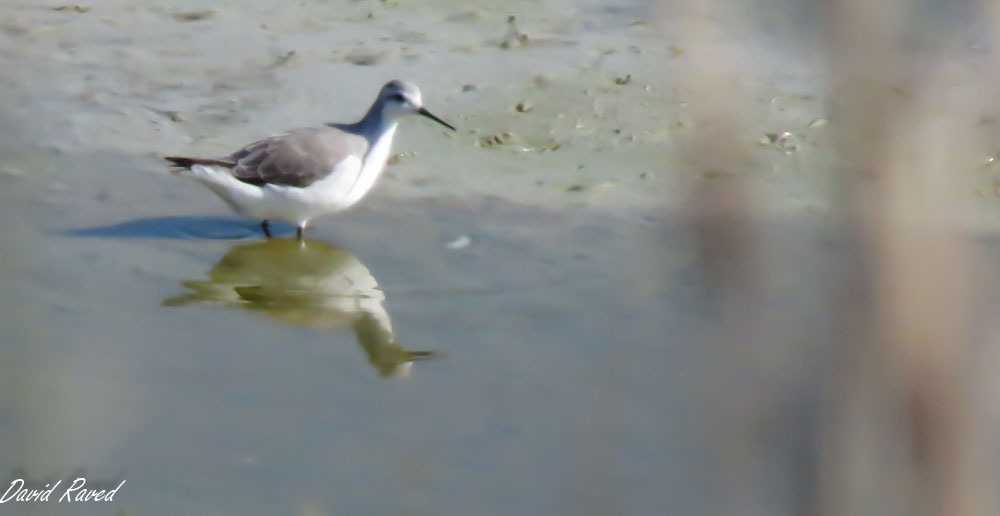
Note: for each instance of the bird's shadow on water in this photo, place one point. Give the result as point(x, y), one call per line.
point(183, 227)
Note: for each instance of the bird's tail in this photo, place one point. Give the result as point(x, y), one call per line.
point(216, 174)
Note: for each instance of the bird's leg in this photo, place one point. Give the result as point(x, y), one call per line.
point(298, 231)
point(267, 230)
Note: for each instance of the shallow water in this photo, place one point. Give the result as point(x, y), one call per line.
point(547, 284)
point(198, 368)
point(242, 375)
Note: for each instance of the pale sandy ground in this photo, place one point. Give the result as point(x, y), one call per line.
point(128, 77)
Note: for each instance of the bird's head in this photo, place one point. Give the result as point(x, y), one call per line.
point(399, 98)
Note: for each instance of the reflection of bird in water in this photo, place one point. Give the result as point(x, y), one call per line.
point(310, 283)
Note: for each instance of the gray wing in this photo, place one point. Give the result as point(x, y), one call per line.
point(297, 158)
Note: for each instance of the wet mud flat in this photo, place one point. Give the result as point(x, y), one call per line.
point(557, 103)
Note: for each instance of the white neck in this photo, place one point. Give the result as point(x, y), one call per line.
point(373, 163)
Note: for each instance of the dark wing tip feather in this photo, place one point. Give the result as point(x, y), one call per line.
point(179, 161)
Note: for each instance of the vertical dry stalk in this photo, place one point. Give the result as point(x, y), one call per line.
point(721, 217)
point(900, 439)
point(900, 436)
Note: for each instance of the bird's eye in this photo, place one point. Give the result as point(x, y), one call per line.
point(398, 97)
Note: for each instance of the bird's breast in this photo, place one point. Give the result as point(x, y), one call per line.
point(372, 166)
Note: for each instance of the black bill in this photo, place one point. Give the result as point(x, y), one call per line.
point(428, 114)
